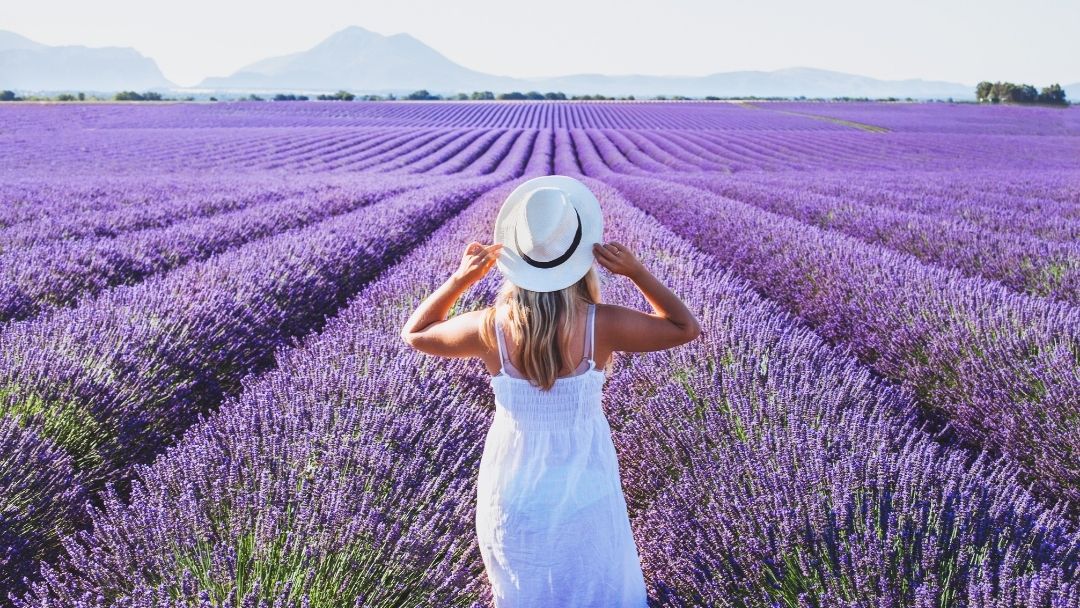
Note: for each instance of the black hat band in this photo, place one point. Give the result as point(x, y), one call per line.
point(559, 260)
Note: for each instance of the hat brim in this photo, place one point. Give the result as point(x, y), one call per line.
point(521, 273)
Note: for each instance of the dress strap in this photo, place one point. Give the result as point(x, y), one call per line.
point(589, 331)
point(502, 344)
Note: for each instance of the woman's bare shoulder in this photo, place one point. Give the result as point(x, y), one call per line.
point(626, 329)
point(614, 311)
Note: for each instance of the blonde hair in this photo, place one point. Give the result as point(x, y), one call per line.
point(533, 322)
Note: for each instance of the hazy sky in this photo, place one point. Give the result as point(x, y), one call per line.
point(1033, 41)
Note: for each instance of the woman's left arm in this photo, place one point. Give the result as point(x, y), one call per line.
point(429, 331)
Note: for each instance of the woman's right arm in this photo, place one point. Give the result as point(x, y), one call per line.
point(671, 323)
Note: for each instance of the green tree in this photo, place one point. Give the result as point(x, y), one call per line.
point(1022, 93)
point(422, 95)
point(1001, 91)
point(1019, 93)
point(1053, 94)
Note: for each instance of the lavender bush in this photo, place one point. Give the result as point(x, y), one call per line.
point(114, 380)
point(204, 400)
point(1002, 368)
point(359, 488)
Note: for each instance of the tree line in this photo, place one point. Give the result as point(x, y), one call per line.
point(424, 95)
point(993, 92)
point(341, 95)
point(998, 92)
point(8, 95)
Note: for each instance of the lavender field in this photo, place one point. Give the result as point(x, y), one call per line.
point(204, 399)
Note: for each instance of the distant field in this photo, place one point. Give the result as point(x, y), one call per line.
point(199, 320)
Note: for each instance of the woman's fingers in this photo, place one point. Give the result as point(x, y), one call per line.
point(488, 255)
point(606, 258)
point(475, 248)
point(609, 253)
point(488, 250)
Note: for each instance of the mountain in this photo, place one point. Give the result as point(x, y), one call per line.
point(358, 59)
point(26, 65)
point(10, 41)
point(790, 82)
point(1072, 91)
point(363, 61)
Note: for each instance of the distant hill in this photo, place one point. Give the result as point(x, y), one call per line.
point(1072, 91)
point(358, 59)
point(12, 41)
point(363, 61)
point(26, 65)
point(790, 82)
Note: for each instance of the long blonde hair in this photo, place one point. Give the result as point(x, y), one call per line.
point(533, 322)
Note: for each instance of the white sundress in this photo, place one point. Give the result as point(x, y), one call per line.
point(551, 518)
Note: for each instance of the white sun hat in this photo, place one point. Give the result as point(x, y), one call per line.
point(547, 227)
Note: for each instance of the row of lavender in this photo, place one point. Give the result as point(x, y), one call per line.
point(54, 260)
point(762, 467)
point(333, 137)
point(934, 118)
point(1000, 368)
point(38, 496)
point(502, 114)
point(228, 151)
point(86, 393)
point(60, 270)
point(1024, 262)
point(1042, 186)
point(767, 468)
point(903, 117)
point(112, 380)
point(44, 208)
point(231, 151)
point(1042, 204)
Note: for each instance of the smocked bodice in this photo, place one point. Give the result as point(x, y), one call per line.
point(571, 400)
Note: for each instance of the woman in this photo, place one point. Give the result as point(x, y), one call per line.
point(551, 517)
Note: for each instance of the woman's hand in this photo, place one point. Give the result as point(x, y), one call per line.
point(476, 262)
point(618, 259)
